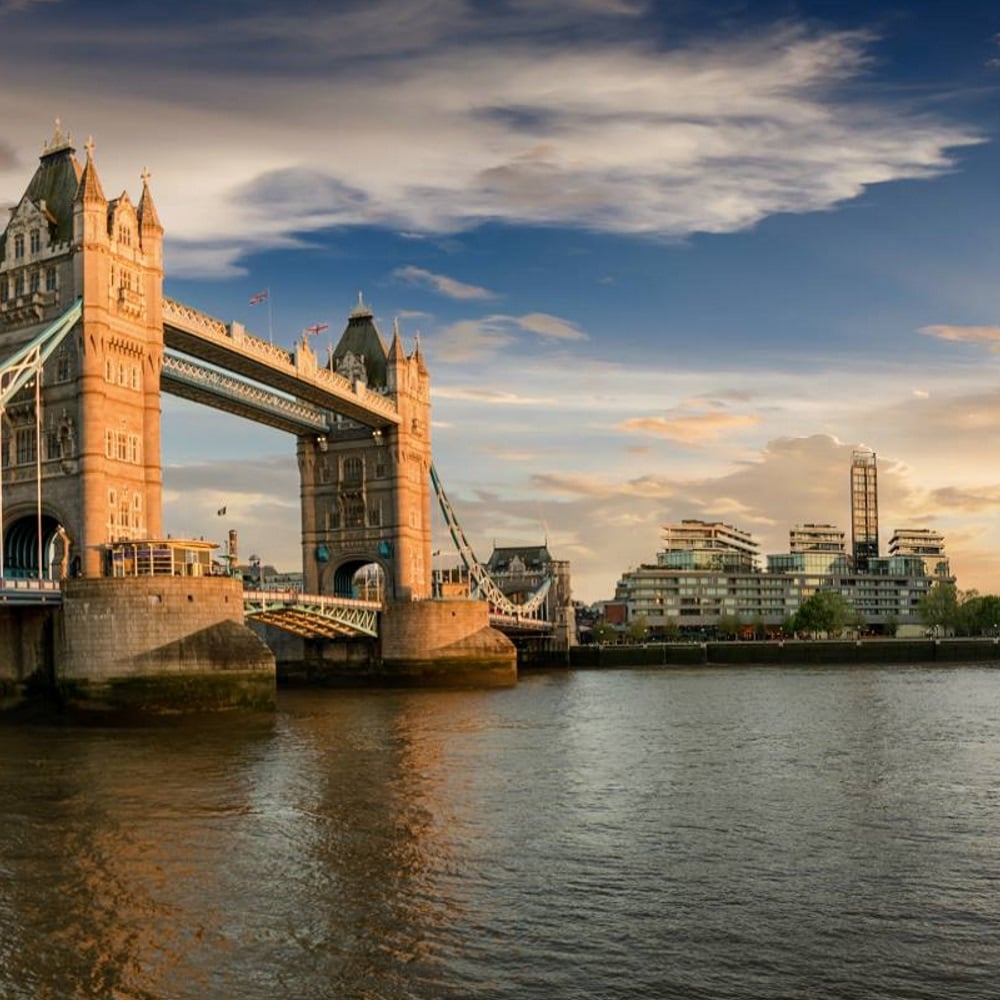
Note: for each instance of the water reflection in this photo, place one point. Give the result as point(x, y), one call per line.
point(724, 833)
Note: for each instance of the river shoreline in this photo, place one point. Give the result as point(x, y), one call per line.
point(789, 652)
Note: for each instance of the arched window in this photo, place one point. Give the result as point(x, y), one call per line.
point(354, 514)
point(353, 470)
point(19, 246)
point(36, 241)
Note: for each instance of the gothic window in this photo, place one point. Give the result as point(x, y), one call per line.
point(4, 289)
point(333, 516)
point(19, 286)
point(18, 246)
point(353, 470)
point(375, 515)
point(121, 447)
point(34, 281)
point(53, 445)
point(354, 513)
point(50, 279)
point(63, 366)
point(109, 371)
point(26, 445)
point(36, 241)
point(135, 377)
point(133, 448)
point(109, 444)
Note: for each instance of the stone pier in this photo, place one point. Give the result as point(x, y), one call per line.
point(159, 644)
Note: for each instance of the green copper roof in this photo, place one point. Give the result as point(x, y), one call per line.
point(54, 183)
point(361, 338)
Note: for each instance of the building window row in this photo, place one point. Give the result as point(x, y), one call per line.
point(32, 281)
point(124, 373)
point(121, 446)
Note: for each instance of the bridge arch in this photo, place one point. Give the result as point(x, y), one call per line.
point(21, 548)
point(360, 576)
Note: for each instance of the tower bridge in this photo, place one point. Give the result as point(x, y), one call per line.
point(88, 342)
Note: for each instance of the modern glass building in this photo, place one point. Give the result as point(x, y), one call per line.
point(864, 508)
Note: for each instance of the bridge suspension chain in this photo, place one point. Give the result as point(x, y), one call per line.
point(483, 584)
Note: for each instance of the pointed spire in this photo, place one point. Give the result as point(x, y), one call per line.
point(60, 140)
point(418, 355)
point(89, 189)
point(361, 309)
point(396, 352)
point(149, 221)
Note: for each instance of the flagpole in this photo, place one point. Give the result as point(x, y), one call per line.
point(270, 330)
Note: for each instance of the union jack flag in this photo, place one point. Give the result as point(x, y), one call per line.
point(317, 328)
point(255, 300)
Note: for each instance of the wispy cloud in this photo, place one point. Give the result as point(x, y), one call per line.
point(476, 339)
point(441, 283)
point(988, 335)
point(691, 430)
point(608, 133)
point(544, 325)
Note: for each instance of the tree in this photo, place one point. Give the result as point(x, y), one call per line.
point(601, 631)
point(729, 626)
point(638, 629)
point(825, 611)
point(938, 608)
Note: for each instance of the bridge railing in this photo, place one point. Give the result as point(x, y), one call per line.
point(299, 364)
point(22, 590)
point(313, 600)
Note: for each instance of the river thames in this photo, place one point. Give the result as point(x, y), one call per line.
point(691, 833)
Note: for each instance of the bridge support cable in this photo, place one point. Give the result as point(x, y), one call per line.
point(483, 584)
point(22, 369)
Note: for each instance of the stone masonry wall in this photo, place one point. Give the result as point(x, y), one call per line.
point(116, 627)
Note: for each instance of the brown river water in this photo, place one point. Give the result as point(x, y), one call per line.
point(696, 833)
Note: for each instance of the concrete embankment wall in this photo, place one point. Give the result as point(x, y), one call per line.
point(789, 653)
point(162, 643)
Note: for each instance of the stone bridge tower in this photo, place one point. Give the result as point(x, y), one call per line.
point(366, 490)
point(99, 447)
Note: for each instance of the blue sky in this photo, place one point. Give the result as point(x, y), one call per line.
point(666, 260)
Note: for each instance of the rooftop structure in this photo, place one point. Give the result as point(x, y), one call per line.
point(921, 543)
point(708, 545)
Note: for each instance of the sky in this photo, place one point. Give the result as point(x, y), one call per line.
point(665, 259)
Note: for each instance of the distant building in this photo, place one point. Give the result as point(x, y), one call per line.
point(813, 548)
point(921, 543)
point(709, 545)
point(887, 594)
point(521, 570)
point(864, 508)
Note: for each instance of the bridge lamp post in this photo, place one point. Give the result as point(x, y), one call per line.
point(255, 566)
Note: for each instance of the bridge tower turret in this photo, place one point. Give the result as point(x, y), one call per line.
point(365, 490)
point(100, 443)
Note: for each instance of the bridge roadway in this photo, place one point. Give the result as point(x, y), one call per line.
point(228, 346)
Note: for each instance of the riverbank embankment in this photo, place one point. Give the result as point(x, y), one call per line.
point(787, 653)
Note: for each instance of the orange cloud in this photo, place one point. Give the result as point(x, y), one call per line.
point(989, 335)
point(691, 430)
